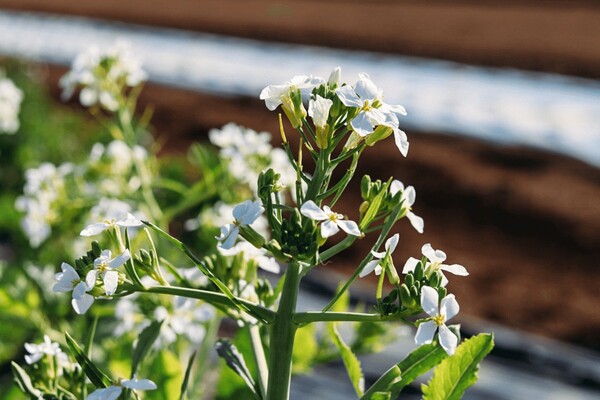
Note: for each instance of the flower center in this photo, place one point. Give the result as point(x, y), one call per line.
point(102, 267)
point(439, 319)
point(334, 217)
point(367, 105)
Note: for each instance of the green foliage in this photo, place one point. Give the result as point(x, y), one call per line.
point(350, 361)
point(145, 341)
point(168, 378)
point(97, 377)
point(457, 373)
point(304, 355)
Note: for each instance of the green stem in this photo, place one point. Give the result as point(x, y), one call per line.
point(281, 337)
point(213, 298)
point(260, 359)
point(382, 236)
point(318, 316)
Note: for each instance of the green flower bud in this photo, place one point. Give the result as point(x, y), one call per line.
point(380, 133)
point(405, 296)
point(255, 238)
point(353, 140)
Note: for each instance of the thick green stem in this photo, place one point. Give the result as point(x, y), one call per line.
point(282, 335)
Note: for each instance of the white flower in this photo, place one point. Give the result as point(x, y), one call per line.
point(335, 78)
point(373, 111)
point(251, 253)
point(113, 392)
point(69, 280)
point(408, 198)
point(187, 318)
point(318, 109)
point(103, 75)
point(375, 265)
point(440, 312)
point(244, 214)
point(274, 95)
point(107, 268)
point(37, 351)
point(333, 221)
point(128, 220)
point(10, 103)
point(435, 257)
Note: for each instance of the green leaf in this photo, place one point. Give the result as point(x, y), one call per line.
point(235, 361)
point(144, 343)
point(167, 374)
point(381, 396)
point(303, 357)
point(23, 380)
point(457, 373)
point(97, 377)
point(350, 361)
point(186, 378)
point(418, 362)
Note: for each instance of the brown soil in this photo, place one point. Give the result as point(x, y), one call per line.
point(546, 35)
point(525, 223)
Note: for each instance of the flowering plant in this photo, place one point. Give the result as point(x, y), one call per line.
point(285, 223)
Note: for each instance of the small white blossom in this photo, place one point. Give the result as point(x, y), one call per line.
point(127, 221)
point(113, 392)
point(244, 214)
point(107, 269)
point(318, 109)
point(37, 351)
point(69, 280)
point(375, 265)
point(102, 76)
point(408, 198)
point(333, 221)
point(440, 312)
point(10, 104)
point(274, 95)
point(251, 253)
point(372, 110)
point(187, 318)
point(435, 257)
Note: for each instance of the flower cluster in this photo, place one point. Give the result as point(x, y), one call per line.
point(248, 153)
point(48, 348)
point(103, 75)
point(368, 116)
point(10, 104)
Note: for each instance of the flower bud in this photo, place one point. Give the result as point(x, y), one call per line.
point(380, 133)
point(353, 140)
point(255, 238)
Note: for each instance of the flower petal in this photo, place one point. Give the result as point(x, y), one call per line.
point(94, 229)
point(391, 243)
point(431, 254)
point(429, 300)
point(370, 267)
point(350, 227)
point(129, 221)
point(139, 384)
point(410, 265)
point(82, 304)
point(311, 210)
point(448, 340)
point(416, 221)
point(396, 186)
point(401, 141)
point(455, 269)
point(425, 332)
point(109, 393)
point(362, 124)
point(119, 260)
point(449, 307)
point(229, 234)
point(111, 281)
point(348, 96)
point(329, 228)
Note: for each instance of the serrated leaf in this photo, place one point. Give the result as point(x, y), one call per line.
point(350, 361)
point(235, 361)
point(97, 377)
point(418, 362)
point(457, 373)
point(144, 343)
point(23, 380)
